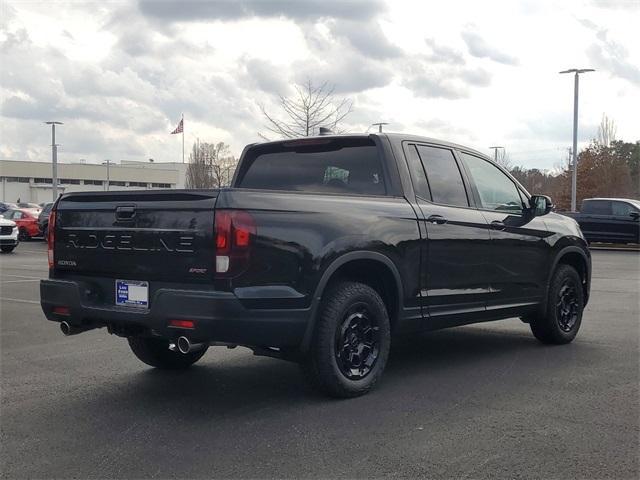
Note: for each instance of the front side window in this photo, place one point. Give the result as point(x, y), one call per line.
point(443, 176)
point(622, 209)
point(496, 190)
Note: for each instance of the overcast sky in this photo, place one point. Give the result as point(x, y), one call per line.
point(119, 74)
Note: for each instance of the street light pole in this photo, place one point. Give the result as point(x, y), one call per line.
point(379, 125)
point(574, 173)
point(495, 153)
point(54, 159)
point(107, 163)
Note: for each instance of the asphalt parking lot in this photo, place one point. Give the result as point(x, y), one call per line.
point(472, 402)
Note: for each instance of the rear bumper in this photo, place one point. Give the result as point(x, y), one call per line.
point(219, 316)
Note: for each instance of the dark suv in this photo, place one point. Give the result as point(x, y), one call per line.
point(43, 218)
point(321, 252)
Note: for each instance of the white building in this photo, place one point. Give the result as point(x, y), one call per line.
point(31, 181)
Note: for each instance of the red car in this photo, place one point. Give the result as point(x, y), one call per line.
point(27, 221)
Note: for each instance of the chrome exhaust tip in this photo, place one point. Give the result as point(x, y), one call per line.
point(65, 328)
point(185, 346)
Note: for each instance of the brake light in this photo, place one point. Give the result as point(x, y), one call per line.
point(234, 232)
point(51, 236)
point(62, 311)
point(182, 324)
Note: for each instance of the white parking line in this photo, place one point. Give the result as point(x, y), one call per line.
point(20, 281)
point(19, 276)
point(19, 300)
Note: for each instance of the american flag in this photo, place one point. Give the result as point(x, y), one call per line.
point(179, 128)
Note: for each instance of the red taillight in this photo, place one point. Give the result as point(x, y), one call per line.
point(61, 311)
point(234, 230)
point(182, 323)
point(51, 236)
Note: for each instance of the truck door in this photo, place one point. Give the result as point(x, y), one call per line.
point(454, 268)
point(595, 221)
point(625, 221)
point(518, 254)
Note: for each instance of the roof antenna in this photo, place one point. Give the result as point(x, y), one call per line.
point(379, 124)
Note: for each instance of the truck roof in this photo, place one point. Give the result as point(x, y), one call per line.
point(400, 137)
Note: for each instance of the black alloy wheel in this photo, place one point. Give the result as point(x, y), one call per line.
point(567, 307)
point(357, 342)
point(351, 342)
point(561, 319)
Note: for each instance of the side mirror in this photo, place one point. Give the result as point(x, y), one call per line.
point(541, 205)
point(634, 215)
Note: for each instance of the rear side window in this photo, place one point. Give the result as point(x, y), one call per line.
point(349, 166)
point(443, 176)
point(597, 207)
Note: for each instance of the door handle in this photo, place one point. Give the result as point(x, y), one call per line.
point(498, 225)
point(437, 220)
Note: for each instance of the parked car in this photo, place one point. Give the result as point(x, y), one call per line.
point(28, 205)
point(4, 206)
point(27, 221)
point(613, 220)
point(8, 235)
point(323, 249)
point(43, 218)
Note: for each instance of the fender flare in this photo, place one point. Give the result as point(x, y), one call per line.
point(556, 260)
point(326, 276)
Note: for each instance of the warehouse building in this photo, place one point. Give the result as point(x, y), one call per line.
point(32, 181)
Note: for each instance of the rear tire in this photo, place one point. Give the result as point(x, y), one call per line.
point(155, 352)
point(351, 341)
point(565, 304)
point(7, 248)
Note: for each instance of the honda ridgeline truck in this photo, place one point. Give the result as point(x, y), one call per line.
point(323, 251)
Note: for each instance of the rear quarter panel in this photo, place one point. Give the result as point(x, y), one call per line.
point(299, 235)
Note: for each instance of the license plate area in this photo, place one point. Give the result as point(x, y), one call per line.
point(132, 293)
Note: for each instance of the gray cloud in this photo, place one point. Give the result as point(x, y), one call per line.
point(367, 38)
point(347, 72)
point(431, 80)
point(198, 10)
point(609, 55)
point(478, 47)
point(477, 77)
point(266, 76)
point(442, 53)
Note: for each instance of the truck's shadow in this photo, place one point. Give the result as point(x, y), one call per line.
point(251, 383)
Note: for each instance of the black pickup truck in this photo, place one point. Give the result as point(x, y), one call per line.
point(321, 252)
point(611, 220)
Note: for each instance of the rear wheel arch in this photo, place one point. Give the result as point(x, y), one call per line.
point(370, 268)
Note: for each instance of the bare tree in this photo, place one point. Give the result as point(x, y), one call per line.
point(606, 131)
point(309, 109)
point(210, 165)
point(503, 159)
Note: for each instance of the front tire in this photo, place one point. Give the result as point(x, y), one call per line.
point(155, 352)
point(565, 304)
point(351, 341)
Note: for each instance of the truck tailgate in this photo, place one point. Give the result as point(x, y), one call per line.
point(145, 235)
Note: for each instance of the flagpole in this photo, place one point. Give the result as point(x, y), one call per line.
point(183, 138)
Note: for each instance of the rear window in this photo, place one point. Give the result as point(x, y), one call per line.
point(348, 166)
